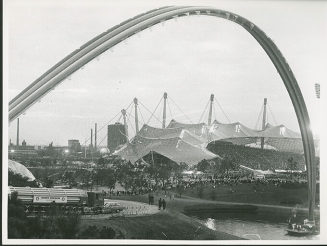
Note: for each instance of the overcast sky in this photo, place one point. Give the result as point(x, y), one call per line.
point(189, 58)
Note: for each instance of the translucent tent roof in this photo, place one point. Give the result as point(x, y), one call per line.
point(219, 131)
point(182, 142)
point(18, 168)
point(279, 131)
point(165, 133)
point(279, 137)
point(178, 149)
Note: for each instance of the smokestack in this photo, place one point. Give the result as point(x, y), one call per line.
point(164, 111)
point(95, 136)
point(91, 137)
point(17, 140)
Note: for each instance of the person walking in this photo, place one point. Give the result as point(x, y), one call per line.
point(160, 203)
point(163, 204)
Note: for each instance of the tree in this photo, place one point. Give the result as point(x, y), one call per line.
point(48, 182)
point(227, 164)
point(15, 179)
point(203, 166)
point(125, 174)
point(161, 168)
point(107, 177)
point(56, 225)
point(291, 165)
point(69, 178)
point(101, 161)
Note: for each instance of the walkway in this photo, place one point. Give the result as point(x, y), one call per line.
point(131, 209)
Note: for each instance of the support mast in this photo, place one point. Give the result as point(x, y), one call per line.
point(264, 123)
point(210, 110)
point(136, 116)
point(164, 111)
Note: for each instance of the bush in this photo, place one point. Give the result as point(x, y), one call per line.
point(56, 225)
point(93, 232)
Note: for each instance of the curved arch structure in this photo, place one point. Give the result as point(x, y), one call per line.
point(115, 35)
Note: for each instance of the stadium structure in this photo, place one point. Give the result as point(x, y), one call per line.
point(192, 143)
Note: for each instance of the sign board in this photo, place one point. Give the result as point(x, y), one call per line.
point(50, 199)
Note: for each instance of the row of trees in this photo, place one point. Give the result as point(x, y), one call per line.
point(131, 176)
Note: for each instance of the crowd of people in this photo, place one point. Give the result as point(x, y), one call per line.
point(256, 158)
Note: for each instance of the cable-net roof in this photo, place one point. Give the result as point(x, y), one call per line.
point(187, 143)
point(179, 145)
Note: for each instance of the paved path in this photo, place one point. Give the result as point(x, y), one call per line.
point(136, 208)
point(131, 209)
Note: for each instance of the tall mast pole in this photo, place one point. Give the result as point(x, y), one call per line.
point(123, 111)
point(164, 111)
point(264, 123)
point(210, 110)
point(136, 116)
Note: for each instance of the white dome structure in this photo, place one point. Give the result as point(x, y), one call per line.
point(18, 168)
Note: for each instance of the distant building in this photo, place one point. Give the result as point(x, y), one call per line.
point(22, 150)
point(55, 151)
point(74, 146)
point(116, 136)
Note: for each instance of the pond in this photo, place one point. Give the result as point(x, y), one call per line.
point(253, 226)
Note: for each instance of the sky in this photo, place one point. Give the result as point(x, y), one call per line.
point(189, 58)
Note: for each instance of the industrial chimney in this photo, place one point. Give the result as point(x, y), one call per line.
point(95, 137)
point(91, 138)
point(17, 140)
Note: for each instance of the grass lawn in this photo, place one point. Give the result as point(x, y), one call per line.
point(165, 225)
point(252, 193)
point(172, 224)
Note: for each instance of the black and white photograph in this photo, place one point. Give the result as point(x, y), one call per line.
point(164, 122)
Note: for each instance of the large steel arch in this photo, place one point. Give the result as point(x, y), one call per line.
point(115, 35)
